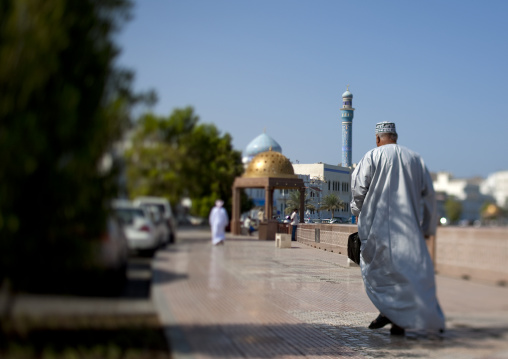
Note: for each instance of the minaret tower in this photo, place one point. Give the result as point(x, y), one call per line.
point(347, 112)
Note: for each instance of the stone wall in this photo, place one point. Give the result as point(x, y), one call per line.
point(479, 254)
point(473, 253)
point(329, 237)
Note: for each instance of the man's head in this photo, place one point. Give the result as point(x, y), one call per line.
point(385, 133)
point(295, 210)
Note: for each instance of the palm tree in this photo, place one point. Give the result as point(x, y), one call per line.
point(331, 202)
point(294, 202)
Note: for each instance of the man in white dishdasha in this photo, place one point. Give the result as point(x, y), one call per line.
point(395, 201)
point(218, 220)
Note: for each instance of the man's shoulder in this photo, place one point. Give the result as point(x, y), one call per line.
point(393, 149)
point(387, 151)
point(409, 152)
point(368, 155)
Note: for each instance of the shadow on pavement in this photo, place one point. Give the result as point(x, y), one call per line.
point(162, 276)
point(135, 283)
point(128, 336)
point(316, 340)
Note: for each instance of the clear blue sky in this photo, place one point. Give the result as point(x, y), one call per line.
point(438, 69)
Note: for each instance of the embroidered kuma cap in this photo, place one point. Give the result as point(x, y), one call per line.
point(385, 127)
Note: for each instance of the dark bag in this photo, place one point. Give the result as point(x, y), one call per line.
point(353, 247)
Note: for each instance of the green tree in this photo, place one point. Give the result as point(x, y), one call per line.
point(176, 156)
point(453, 209)
point(63, 104)
point(293, 202)
point(331, 202)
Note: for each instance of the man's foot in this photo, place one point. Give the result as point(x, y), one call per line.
point(396, 330)
point(379, 322)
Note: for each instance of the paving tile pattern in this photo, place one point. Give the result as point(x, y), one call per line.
point(249, 299)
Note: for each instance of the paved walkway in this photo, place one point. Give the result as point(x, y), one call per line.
point(248, 299)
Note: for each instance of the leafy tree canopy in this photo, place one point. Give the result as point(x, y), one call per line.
point(453, 209)
point(176, 156)
point(63, 104)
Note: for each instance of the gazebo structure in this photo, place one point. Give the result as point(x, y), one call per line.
point(269, 170)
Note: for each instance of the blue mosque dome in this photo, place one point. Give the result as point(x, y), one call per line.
point(347, 94)
point(261, 143)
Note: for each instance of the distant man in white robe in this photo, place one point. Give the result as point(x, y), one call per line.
point(395, 201)
point(218, 221)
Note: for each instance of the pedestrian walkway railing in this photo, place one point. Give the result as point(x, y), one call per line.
point(329, 237)
point(479, 254)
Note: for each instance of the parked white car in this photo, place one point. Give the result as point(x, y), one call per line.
point(159, 222)
point(165, 208)
point(139, 227)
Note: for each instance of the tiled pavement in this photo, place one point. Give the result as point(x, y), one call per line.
point(248, 299)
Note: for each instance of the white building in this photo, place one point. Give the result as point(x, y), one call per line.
point(496, 186)
point(322, 179)
point(444, 182)
point(314, 189)
point(467, 191)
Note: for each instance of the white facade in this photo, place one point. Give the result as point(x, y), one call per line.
point(496, 186)
point(314, 188)
point(455, 187)
point(322, 179)
point(467, 191)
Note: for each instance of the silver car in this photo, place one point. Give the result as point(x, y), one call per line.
point(139, 227)
point(165, 208)
point(159, 222)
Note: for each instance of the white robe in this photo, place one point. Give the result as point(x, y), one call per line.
point(392, 189)
point(218, 221)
